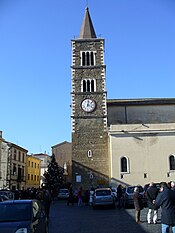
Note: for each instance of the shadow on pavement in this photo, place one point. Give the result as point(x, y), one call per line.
point(74, 219)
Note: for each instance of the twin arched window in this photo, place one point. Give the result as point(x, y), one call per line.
point(88, 58)
point(88, 85)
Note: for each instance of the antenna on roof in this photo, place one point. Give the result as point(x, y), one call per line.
point(87, 3)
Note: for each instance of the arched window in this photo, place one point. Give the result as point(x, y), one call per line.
point(92, 58)
point(88, 86)
point(172, 162)
point(124, 164)
point(83, 59)
point(84, 85)
point(87, 58)
point(92, 85)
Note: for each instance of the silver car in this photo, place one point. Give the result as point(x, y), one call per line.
point(103, 197)
point(63, 194)
point(129, 193)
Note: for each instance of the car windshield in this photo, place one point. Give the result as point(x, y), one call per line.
point(15, 212)
point(103, 192)
point(63, 191)
point(131, 189)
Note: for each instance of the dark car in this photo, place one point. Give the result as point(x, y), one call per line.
point(22, 216)
point(7, 193)
point(3, 197)
point(128, 194)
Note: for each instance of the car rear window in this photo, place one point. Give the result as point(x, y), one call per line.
point(131, 189)
point(63, 191)
point(103, 192)
point(15, 212)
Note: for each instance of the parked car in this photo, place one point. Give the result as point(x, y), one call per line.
point(23, 216)
point(63, 194)
point(114, 192)
point(103, 197)
point(3, 197)
point(7, 193)
point(128, 194)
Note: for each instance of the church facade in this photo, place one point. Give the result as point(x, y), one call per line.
point(115, 142)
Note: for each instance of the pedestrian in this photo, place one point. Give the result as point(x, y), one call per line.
point(137, 203)
point(172, 185)
point(80, 197)
point(91, 196)
point(151, 194)
point(47, 201)
point(166, 200)
point(71, 196)
point(119, 196)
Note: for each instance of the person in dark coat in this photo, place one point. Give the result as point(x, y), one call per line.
point(166, 200)
point(119, 195)
point(71, 196)
point(137, 203)
point(151, 194)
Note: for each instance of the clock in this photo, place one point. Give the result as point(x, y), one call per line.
point(88, 105)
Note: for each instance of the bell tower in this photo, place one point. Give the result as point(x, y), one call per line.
point(90, 160)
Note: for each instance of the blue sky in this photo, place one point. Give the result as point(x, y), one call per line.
point(35, 59)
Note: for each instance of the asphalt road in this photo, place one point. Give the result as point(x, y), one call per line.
point(74, 219)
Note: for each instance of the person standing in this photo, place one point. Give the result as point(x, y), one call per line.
point(137, 203)
point(119, 195)
point(166, 200)
point(80, 196)
point(151, 194)
point(71, 196)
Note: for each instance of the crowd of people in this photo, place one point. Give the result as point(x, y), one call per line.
point(42, 194)
point(162, 198)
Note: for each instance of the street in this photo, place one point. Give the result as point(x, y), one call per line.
point(74, 219)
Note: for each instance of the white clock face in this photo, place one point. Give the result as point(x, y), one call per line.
point(88, 105)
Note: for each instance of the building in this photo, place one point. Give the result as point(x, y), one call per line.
point(12, 165)
point(90, 157)
point(141, 135)
point(45, 160)
point(115, 142)
point(63, 156)
point(32, 172)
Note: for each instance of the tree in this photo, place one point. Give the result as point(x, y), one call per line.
point(54, 175)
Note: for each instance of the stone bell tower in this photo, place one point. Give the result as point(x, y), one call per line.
point(90, 159)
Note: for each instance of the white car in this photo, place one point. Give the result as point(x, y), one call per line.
point(103, 197)
point(63, 194)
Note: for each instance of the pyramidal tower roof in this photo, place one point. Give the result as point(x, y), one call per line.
point(87, 30)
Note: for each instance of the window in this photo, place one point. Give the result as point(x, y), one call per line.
point(124, 164)
point(19, 155)
point(23, 155)
point(14, 154)
point(14, 169)
point(88, 58)
point(88, 85)
point(28, 176)
point(172, 162)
